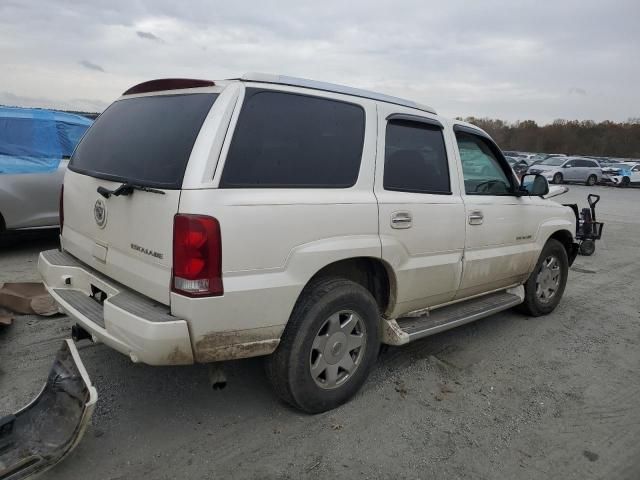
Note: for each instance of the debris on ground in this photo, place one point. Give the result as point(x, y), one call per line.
point(27, 298)
point(5, 320)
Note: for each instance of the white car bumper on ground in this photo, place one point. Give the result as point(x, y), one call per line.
point(126, 321)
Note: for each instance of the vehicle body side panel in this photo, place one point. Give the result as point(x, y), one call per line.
point(30, 200)
point(273, 241)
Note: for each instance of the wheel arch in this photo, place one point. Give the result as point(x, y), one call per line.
point(372, 273)
point(566, 239)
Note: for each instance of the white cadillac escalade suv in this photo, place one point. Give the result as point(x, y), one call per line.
point(307, 222)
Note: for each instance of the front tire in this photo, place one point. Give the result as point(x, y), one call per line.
point(545, 286)
point(625, 182)
point(328, 347)
point(557, 178)
point(591, 180)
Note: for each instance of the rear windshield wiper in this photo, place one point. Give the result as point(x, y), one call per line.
point(126, 189)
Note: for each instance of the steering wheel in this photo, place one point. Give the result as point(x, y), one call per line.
point(485, 187)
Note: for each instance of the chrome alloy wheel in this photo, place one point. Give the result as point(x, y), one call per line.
point(548, 279)
point(338, 349)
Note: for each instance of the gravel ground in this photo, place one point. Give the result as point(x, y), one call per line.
point(506, 397)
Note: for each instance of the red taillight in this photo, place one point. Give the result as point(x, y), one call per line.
point(197, 256)
point(61, 208)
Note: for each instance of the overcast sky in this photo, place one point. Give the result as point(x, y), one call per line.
point(509, 59)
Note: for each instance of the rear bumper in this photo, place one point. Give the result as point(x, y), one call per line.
point(126, 321)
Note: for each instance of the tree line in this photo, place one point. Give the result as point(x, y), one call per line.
point(572, 137)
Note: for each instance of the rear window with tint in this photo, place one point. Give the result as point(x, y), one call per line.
point(294, 141)
point(144, 140)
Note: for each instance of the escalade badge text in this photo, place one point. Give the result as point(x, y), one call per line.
point(100, 213)
point(146, 251)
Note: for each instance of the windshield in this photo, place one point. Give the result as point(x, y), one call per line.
point(555, 162)
point(623, 166)
point(144, 140)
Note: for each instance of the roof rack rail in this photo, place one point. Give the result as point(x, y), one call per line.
point(332, 87)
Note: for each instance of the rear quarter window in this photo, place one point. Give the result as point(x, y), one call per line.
point(294, 141)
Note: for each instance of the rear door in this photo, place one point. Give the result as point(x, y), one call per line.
point(571, 171)
point(421, 215)
point(145, 140)
point(592, 168)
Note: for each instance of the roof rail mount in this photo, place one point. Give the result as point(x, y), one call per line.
point(332, 87)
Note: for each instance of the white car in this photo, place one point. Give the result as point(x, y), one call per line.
point(299, 220)
point(569, 169)
point(622, 174)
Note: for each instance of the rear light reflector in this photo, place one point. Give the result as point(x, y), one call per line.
point(197, 256)
point(61, 208)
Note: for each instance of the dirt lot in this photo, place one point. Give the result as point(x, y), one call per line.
point(507, 397)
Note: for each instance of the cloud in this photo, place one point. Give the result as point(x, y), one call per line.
point(577, 91)
point(511, 60)
point(91, 65)
point(80, 104)
point(148, 36)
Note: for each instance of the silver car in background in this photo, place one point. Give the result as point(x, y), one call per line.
point(569, 169)
point(35, 146)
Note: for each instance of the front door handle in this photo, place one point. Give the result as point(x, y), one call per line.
point(401, 219)
point(476, 217)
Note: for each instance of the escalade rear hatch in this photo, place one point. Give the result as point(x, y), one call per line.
point(122, 189)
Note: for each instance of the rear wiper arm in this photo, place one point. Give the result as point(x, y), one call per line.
point(126, 189)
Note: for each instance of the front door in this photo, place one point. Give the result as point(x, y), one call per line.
point(500, 240)
point(421, 214)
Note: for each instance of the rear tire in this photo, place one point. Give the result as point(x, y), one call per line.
point(545, 286)
point(557, 178)
point(328, 347)
point(591, 180)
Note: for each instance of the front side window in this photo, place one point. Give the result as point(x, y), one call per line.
point(482, 171)
point(294, 141)
point(415, 158)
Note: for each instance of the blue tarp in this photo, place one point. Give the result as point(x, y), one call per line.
point(34, 140)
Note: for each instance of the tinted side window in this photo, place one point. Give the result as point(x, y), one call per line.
point(481, 168)
point(295, 141)
point(415, 158)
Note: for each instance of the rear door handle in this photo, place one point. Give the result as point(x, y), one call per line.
point(401, 220)
point(476, 217)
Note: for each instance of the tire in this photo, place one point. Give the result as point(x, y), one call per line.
point(533, 304)
point(307, 369)
point(591, 180)
point(587, 248)
point(557, 178)
point(625, 182)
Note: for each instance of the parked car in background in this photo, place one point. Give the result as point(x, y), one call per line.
point(569, 169)
point(35, 146)
point(518, 165)
point(540, 157)
point(622, 174)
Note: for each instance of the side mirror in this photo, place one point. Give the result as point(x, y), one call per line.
point(534, 185)
point(567, 165)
